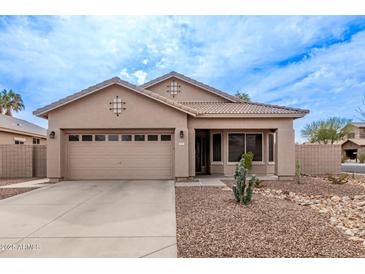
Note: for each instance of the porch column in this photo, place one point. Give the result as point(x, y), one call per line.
point(191, 152)
point(285, 153)
point(54, 154)
point(181, 153)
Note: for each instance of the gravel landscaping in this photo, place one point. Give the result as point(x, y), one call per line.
point(211, 224)
point(4, 182)
point(314, 186)
point(8, 192)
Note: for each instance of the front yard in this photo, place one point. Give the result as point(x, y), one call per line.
point(313, 219)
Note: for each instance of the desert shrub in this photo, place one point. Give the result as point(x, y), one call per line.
point(259, 184)
point(362, 158)
point(298, 172)
point(338, 180)
point(344, 158)
point(247, 160)
point(243, 190)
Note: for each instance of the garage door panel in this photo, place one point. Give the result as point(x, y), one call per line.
point(120, 160)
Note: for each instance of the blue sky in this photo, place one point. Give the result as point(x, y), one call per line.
point(313, 62)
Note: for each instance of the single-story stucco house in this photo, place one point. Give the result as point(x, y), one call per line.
point(171, 127)
point(20, 132)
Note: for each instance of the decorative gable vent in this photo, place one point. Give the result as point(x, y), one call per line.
point(173, 88)
point(117, 105)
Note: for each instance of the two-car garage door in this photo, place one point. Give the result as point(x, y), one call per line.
point(146, 155)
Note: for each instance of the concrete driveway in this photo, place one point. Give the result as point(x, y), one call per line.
point(91, 219)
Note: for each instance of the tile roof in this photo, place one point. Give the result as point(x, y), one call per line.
point(193, 82)
point(359, 124)
point(242, 108)
point(16, 124)
point(238, 107)
point(115, 80)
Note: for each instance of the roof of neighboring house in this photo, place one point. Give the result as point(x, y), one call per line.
point(357, 141)
point(193, 82)
point(247, 108)
point(113, 81)
point(16, 125)
point(359, 124)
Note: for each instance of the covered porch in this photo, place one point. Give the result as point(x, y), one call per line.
point(217, 152)
point(216, 146)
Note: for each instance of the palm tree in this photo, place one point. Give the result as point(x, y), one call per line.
point(10, 101)
point(2, 101)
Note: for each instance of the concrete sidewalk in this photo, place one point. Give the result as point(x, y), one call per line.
point(91, 219)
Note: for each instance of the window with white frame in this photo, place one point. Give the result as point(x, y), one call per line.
point(239, 143)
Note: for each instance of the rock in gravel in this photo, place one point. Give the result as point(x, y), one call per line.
point(348, 232)
point(361, 204)
point(356, 239)
point(335, 199)
point(333, 221)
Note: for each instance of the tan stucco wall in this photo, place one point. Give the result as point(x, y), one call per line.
point(7, 138)
point(284, 151)
point(92, 112)
point(188, 92)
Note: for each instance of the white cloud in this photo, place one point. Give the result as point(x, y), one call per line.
point(141, 76)
point(47, 58)
point(138, 76)
point(125, 75)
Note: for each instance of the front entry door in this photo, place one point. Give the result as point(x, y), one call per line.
point(201, 151)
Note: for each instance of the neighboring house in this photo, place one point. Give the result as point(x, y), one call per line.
point(170, 127)
point(354, 145)
point(18, 131)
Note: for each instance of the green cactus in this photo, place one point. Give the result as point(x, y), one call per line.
point(242, 190)
point(298, 172)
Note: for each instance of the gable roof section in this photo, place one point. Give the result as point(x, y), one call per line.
point(238, 108)
point(359, 124)
point(357, 141)
point(219, 109)
point(193, 82)
point(15, 125)
point(42, 112)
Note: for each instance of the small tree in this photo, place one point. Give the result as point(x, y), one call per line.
point(243, 96)
point(241, 190)
point(327, 131)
